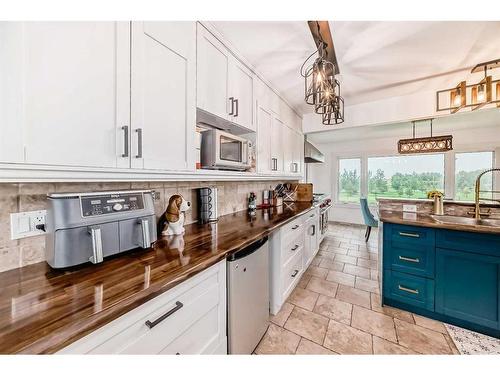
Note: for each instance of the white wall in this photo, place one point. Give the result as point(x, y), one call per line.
point(471, 132)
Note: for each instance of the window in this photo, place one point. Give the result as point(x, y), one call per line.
point(349, 180)
point(404, 176)
point(468, 166)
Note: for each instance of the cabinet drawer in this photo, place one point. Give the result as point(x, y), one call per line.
point(292, 247)
point(291, 228)
point(480, 243)
point(191, 302)
point(409, 236)
point(291, 273)
point(418, 260)
point(409, 289)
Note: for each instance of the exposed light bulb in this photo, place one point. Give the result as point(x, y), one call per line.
point(480, 93)
point(458, 99)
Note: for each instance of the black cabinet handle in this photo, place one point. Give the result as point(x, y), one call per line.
point(295, 247)
point(295, 227)
point(125, 141)
point(231, 99)
point(237, 108)
point(295, 273)
point(178, 306)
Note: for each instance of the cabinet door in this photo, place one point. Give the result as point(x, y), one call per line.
point(468, 287)
point(212, 66)
point(277, 143)
point(288, 145)
point(11, 92)
point(241, 81)
point(76, 92)
point(163, 95)
point(298, 151)
point(264, 120)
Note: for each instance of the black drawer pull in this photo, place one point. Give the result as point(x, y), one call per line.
point(295, 273)
point(295, 226)
point(404, 289)
point(178, 306)
point(407, 259)
point(295, 248)
point(414, 235)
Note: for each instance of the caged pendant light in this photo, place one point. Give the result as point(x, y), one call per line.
point(322, 89)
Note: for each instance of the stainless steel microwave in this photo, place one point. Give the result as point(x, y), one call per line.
point(222, 150)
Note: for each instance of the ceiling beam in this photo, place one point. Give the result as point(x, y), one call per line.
point(325, 35)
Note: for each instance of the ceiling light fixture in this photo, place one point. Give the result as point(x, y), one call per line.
point(423, 145)
point(475, 95)
point(322, 89)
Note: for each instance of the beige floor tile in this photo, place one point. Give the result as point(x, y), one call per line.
point(326, 254)
point(278, 341)
point(282, 315)
point(390, 311)
point(303, 281)
point(357, 271)
point(367, 285)
point(354, 296)
point(341, 278)
point(310, 325)
point(333, 308)
point(328, 288)
point(331, 265)
point(359, 254)
point(371, 264)
point(429, 323)
point(316, 272)
point(451, 344)
point(309, 347)
point(344, 339)
point(345, 259)
point(338, 250)
point(303, 298)
point(381, 346)
point(373, 322)
point(421, 339)
point(315, 261)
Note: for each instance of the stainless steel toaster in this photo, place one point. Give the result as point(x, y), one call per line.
point(87, 227)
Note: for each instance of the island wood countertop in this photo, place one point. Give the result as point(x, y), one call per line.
point(425, 220)
point(42, 310)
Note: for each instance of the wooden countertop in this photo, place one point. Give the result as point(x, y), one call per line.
point(42, 310)
point(425, 220)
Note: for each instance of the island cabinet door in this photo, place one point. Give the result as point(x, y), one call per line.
point(468, 287)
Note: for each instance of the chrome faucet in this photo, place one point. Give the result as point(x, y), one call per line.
point(477, 213)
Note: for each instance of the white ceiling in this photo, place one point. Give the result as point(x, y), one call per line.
point(377, 60)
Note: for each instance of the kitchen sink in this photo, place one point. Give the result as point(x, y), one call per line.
point(460, 220)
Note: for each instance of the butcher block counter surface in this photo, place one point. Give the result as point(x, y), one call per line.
point(42, 310)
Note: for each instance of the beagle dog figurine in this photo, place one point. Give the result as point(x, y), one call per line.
point(172, 220)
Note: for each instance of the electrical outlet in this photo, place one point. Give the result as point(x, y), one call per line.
point(409, 207)
point(24, 224)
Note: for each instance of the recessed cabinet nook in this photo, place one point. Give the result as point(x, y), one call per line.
point(120, 101)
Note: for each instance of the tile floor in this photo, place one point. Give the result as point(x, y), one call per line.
point(335, 308)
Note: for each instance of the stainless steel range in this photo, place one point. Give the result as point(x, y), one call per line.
point(87, 227)
point(325, 203)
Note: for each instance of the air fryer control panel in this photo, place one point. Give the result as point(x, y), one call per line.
point(98, 205)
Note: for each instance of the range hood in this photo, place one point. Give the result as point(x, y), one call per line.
point(312, 154)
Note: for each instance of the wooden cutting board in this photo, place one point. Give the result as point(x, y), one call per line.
point(304, 192)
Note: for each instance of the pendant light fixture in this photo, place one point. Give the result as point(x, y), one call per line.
point(474, 95)
point(322, 89)
point(423, 145)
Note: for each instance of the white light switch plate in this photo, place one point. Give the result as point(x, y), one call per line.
point(23, 224)
point(409, 207)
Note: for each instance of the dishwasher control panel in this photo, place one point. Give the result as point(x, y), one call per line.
point(98, 205)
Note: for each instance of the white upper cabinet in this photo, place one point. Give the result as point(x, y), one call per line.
point(11, 78)
point(75, 82)
point(224, 84)
point(163, 95)
point(212, 74)
point(289, 142)
point(298, 152)
point(241, 81)
point(264, 131)
point(277, 156)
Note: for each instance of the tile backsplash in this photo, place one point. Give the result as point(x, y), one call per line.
point(33, 196)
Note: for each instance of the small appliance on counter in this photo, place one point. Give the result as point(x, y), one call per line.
point(87, 227)
point(207, 204)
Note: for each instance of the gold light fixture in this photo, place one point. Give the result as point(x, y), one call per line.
point(475, 95)
point(423, 145)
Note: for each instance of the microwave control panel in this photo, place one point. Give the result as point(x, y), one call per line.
point(98, 205)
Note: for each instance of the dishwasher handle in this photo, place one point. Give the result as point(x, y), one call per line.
point(247, 250)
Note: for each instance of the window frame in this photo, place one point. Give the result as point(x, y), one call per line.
point(337, 185)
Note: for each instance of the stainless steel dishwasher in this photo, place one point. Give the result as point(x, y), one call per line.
point(248, 297)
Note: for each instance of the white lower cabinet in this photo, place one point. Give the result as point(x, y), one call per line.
point(196, 323)
point(287, 261)
point(311, 236)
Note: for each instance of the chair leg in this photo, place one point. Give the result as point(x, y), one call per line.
point(367, 233)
